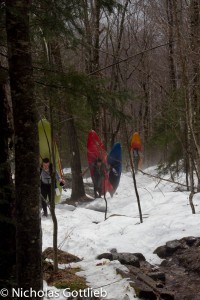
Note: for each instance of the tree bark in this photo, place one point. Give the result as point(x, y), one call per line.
point(115, 71)
point(78, 190)
point(172, 69)
point(28, 221)
point(53, 180)
point(7, 226)
point(191, 143)
point(133, 173)
point(195, 94)
point(92, 37)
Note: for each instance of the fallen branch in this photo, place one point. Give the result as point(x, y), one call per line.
point(146, 287)
point(135, 217)
point(96, 288)
point(163, 179)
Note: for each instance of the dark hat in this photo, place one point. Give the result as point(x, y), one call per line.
point(45, 160)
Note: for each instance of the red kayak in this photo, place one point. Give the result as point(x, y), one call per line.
point(95, 150)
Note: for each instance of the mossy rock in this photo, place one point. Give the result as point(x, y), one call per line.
point(67, 278)
point(63, 257)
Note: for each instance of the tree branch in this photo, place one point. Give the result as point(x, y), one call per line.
point(157, 177)
point(130, 57)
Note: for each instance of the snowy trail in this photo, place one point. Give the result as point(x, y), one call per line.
point(84, 232)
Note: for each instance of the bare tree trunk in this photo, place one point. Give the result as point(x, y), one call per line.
point(7, 227)
point(53, 170)
point(115, 73)
point(145, 114)
point(52, 200)
point(170, 18)
point(97, 9)
point(195, 47)
point(78, 190)
point(133, 174)
point(114, 133)
point(186, 160)
point(188, 105)
point(28, 222)
point(92, 33)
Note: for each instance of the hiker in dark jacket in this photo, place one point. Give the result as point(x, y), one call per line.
point(45, 183)
point(98, 177)
point(98, 171)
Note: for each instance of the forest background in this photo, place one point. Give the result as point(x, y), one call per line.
point(112, 66)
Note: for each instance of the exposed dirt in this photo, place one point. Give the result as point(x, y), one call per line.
point(63, 257)
point(177, 278)
point(182, 269)
point(64, 278)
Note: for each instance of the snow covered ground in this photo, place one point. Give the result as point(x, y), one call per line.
point(83, 231)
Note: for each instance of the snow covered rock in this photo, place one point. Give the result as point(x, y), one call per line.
point(132, 259)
